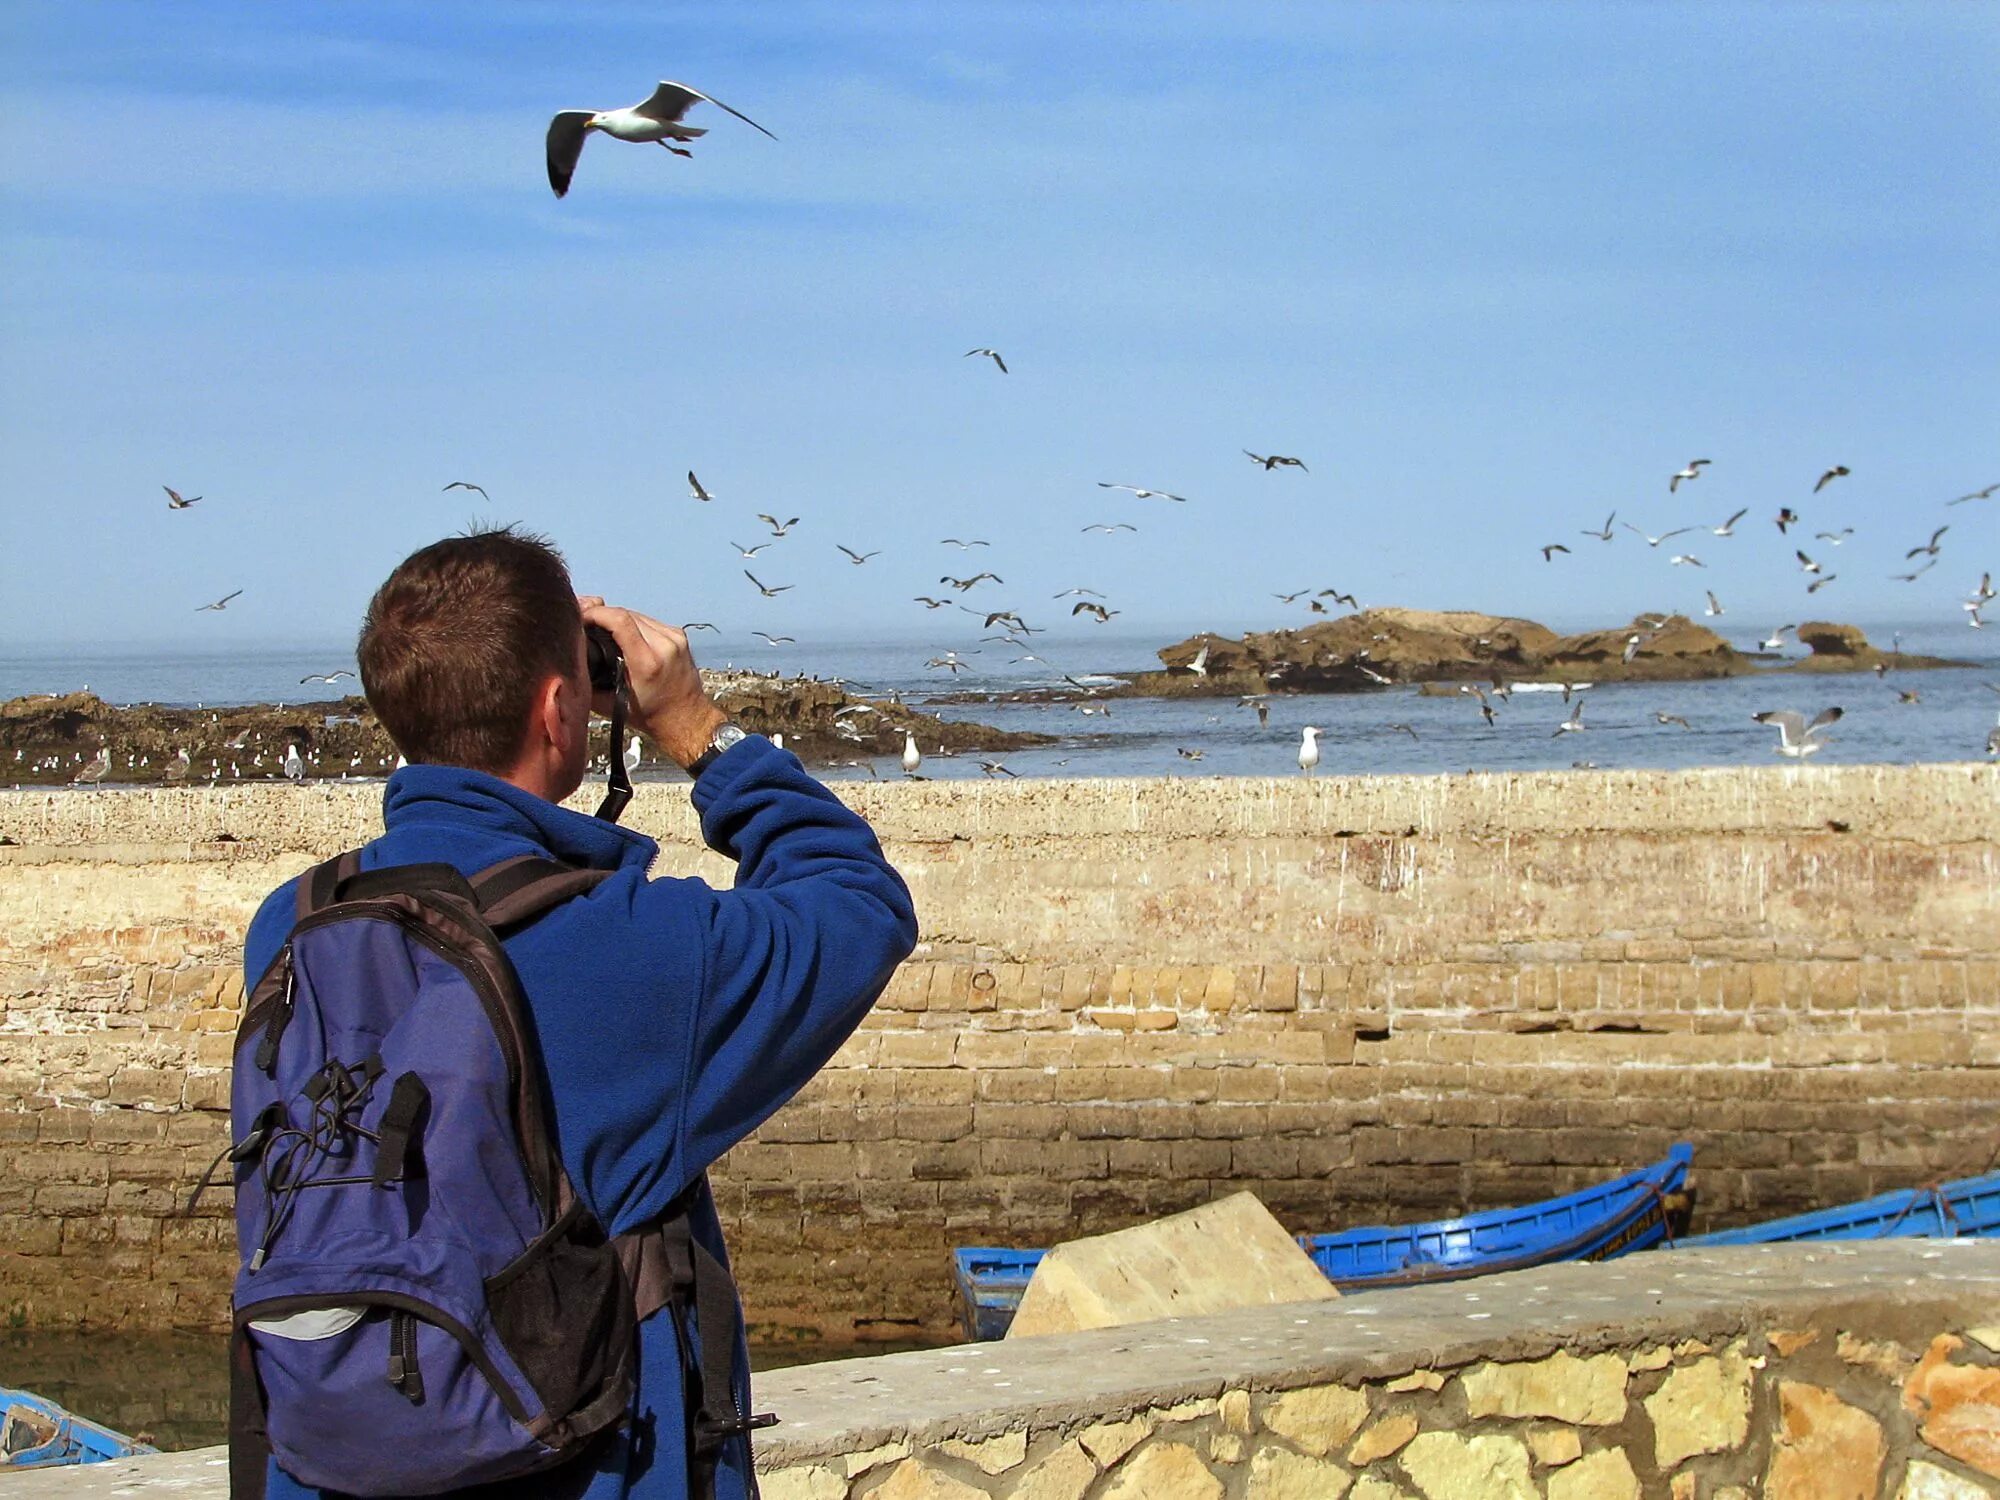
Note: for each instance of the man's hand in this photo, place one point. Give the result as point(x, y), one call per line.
point(665, 696)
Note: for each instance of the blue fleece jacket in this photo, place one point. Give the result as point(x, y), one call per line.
point(672, 1018)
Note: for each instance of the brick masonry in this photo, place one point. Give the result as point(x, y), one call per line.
point(1362, 999)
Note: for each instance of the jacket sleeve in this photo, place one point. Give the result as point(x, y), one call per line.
point(796, 953)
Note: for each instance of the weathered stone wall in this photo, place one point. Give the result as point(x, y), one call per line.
point(1361, 998)
point(1837, 1373)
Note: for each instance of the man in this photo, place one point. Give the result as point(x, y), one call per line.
point(671, 1019)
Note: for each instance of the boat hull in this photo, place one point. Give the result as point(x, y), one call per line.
point(1966, 1209)
point(35, 1433)
point(1628, 1213)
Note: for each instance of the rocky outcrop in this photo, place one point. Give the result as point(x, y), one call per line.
point(47, 739)
point(1843, 648)
point(1385, 647)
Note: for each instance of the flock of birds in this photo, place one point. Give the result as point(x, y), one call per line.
point(660, 119)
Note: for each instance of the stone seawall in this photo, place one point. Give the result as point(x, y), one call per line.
point(1360, 998)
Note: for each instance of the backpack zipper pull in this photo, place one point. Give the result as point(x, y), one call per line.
point(403, 1372)
point(267, 1045)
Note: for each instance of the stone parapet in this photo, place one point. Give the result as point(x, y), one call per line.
point(1862, 1371)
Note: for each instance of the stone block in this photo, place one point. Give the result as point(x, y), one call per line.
point(1824, 1449)
point(993, 1455)
point(1382, 1438)
point(1161, 1471)
point(1108, 1442)
point(1922, 1481)
point(1065, 1474)
point(913, 1479)
point(1227, 1254)
point(805, 1482)
point(1589, 1392)
point(1605, 1475)
point(1318, 1419)
point(1449, 1466)
point(1958, 1406)
point(1552, 1447)
point(1276, 1474)
point(1702, 1407)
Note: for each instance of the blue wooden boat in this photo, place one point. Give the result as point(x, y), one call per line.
point(1628, 1213)
point(38, 1434)
point(1966, 1209)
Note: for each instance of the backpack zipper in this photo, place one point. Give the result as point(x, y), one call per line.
point(267, 1046)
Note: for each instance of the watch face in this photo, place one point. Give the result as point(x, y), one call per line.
point(727, 735)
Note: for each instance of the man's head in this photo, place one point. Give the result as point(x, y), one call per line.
point(472, 655)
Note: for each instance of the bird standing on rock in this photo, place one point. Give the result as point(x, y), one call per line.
point(912, 756)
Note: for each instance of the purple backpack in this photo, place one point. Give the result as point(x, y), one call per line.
point(423, 1302)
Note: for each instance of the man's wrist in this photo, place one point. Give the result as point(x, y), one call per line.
point(688, 740)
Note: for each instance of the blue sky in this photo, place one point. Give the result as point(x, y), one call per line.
point(1492, 270)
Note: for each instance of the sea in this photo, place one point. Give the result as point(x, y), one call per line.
point(1388, 730)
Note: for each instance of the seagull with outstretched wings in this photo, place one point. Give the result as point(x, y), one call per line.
point(655, 121)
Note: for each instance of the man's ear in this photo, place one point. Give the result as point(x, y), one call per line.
point(549, 711)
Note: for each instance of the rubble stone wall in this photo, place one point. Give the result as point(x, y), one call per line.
point(1361, 998)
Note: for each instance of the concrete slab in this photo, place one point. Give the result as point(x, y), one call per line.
point(1227, 1254)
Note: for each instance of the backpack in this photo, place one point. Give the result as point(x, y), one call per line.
point(424, 1302)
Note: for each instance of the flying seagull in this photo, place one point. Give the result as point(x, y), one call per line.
point(657, 121)
point(1985, 494)
point(1838, 471)
point(1915, 574)
point(1714, 604)
point(1776, 640)
point(1806, 564)
point(1143, 494)
point(1085, 607)
point(1553, 547)
point(1796, 737)
point(1107, 530)
point(1605, 534)
point(765, 589)
point(749, 551)
point(1686, 560)
point(992, 354)
point(1276, 461)
point(1786, 517)
point(1072, 593)
point(699, 625)
point(1929, 548)
point(695, 491)
point(929, 603)
point(174, 500)
point(1692, 471)
point(1834, 538)
point(778, 528)
point(466, 484)
point(1654, 541)
point(775, 640)
point(1728, 527)
point(963, 546)
point(1819, 583)
point(1573, 723)
point(1667, 718)
point(222, 603)
point(962, 584)
point(1402, 729)
point(858, 558)
point(325, 676)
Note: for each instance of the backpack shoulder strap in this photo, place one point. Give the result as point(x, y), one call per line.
point(521, 888)
point(319, 887)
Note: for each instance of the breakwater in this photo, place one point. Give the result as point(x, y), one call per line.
point(1360, 998)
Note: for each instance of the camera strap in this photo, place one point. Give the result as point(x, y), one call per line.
point(618, 785)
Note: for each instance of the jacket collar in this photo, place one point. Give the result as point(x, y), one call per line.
point(472, 801)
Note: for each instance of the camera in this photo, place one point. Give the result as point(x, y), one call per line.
point(603, 658)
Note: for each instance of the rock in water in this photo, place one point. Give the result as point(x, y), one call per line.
point(1226, 1254)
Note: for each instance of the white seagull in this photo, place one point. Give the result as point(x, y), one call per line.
point(992, 354)
point(1728, 527)
point(1143, 494)
point(656, 121)
point(1654, 541)
point(1309, 749)
point(1692, 471)
point(695, 491)
point(912, 756)
point(1776, 640)
point(634, 753)
point(1796, 737)
point(295, 766)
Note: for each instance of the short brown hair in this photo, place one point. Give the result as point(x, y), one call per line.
point(459, 640)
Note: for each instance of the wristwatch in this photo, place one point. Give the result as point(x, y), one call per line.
point(726, 734)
